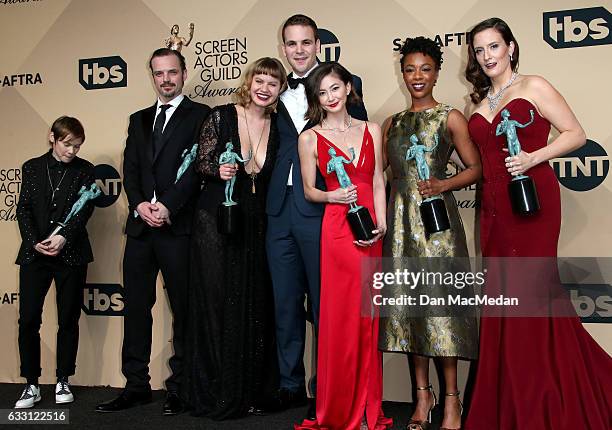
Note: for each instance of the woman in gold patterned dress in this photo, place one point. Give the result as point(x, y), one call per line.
point(444, 337)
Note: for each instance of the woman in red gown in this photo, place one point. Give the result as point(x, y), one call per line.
point(349, 365)
point(540, 372)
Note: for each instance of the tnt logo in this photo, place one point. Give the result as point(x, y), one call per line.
point(583, 169)
point(103, 299)
point(105, 72)
point(590, 302)
point(577, 27)
point(330, 46)
point(109, 181)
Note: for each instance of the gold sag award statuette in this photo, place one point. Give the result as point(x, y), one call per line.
point(177, 42)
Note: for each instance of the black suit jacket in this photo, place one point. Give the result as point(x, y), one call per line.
point(32, 211)
point(144, 173)
point(288, 155)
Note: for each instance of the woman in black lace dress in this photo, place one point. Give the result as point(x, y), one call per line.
point(231, 353)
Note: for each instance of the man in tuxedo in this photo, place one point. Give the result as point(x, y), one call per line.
point(294, 224)
point(158, 226)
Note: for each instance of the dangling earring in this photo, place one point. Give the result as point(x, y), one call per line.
point(510, 56)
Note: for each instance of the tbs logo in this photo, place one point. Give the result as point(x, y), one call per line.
point(330, 46)
point(590, 303)
point(105, 72)
point(577, 27)
point(109, 182)
point(103, 299)
point(583, 169)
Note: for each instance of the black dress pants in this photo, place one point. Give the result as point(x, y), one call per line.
point(34, 282)
point(145, 255)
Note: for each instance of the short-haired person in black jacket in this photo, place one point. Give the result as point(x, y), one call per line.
point(50, 187)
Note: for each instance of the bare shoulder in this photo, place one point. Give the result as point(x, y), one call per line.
point(307, 137)
point(536, 87)
point(535, 82)
point(541, 92)
point(373, 127)
point(455, 116)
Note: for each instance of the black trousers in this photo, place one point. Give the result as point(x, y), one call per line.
point(34, 282)
point(144, 257)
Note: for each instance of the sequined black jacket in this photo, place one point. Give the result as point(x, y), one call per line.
point(32, 211)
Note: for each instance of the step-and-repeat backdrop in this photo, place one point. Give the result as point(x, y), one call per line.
point(88, 58)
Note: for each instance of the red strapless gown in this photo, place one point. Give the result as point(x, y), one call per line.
point(537, 373)
point(349, 365)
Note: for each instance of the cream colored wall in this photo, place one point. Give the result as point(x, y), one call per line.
point(49, 37)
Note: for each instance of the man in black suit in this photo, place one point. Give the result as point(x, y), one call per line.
point(294, 224)
point(50, 187)
point(158, 226)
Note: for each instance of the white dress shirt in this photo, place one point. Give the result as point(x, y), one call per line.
point(297, 105)
point(173, 105)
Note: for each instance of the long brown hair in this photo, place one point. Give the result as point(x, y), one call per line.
point(315, 111)
point(473, 71)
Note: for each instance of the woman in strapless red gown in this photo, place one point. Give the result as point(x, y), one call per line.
point(536, 373)
point(349, 365)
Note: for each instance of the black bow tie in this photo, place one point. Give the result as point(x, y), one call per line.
point(294, 82)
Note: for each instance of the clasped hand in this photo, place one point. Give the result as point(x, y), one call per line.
point(51, 246)
point(154, 214)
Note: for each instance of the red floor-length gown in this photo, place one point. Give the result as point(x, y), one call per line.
point(349, 366)
point(537, 373)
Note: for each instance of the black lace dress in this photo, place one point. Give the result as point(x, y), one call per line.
point(231, 352)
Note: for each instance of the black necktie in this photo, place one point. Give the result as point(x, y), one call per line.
point(158, 128)
point(294, 82)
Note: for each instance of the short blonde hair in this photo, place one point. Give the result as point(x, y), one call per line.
point(264, 66)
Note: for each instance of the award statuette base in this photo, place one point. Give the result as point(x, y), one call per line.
point(434, 215)
point(523, 195)
point(361, 222)
point(227, 218)
point(56, 230)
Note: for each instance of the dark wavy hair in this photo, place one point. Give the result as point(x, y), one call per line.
point(473, 72)
point(421, 45)
point(315, 111)
point(65, 125)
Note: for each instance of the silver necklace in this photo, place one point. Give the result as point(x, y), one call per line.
point(327, 126)
point(494, 99)
point(56, 188)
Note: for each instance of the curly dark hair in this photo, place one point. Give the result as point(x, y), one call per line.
point(422, 45)
point(473, 72)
